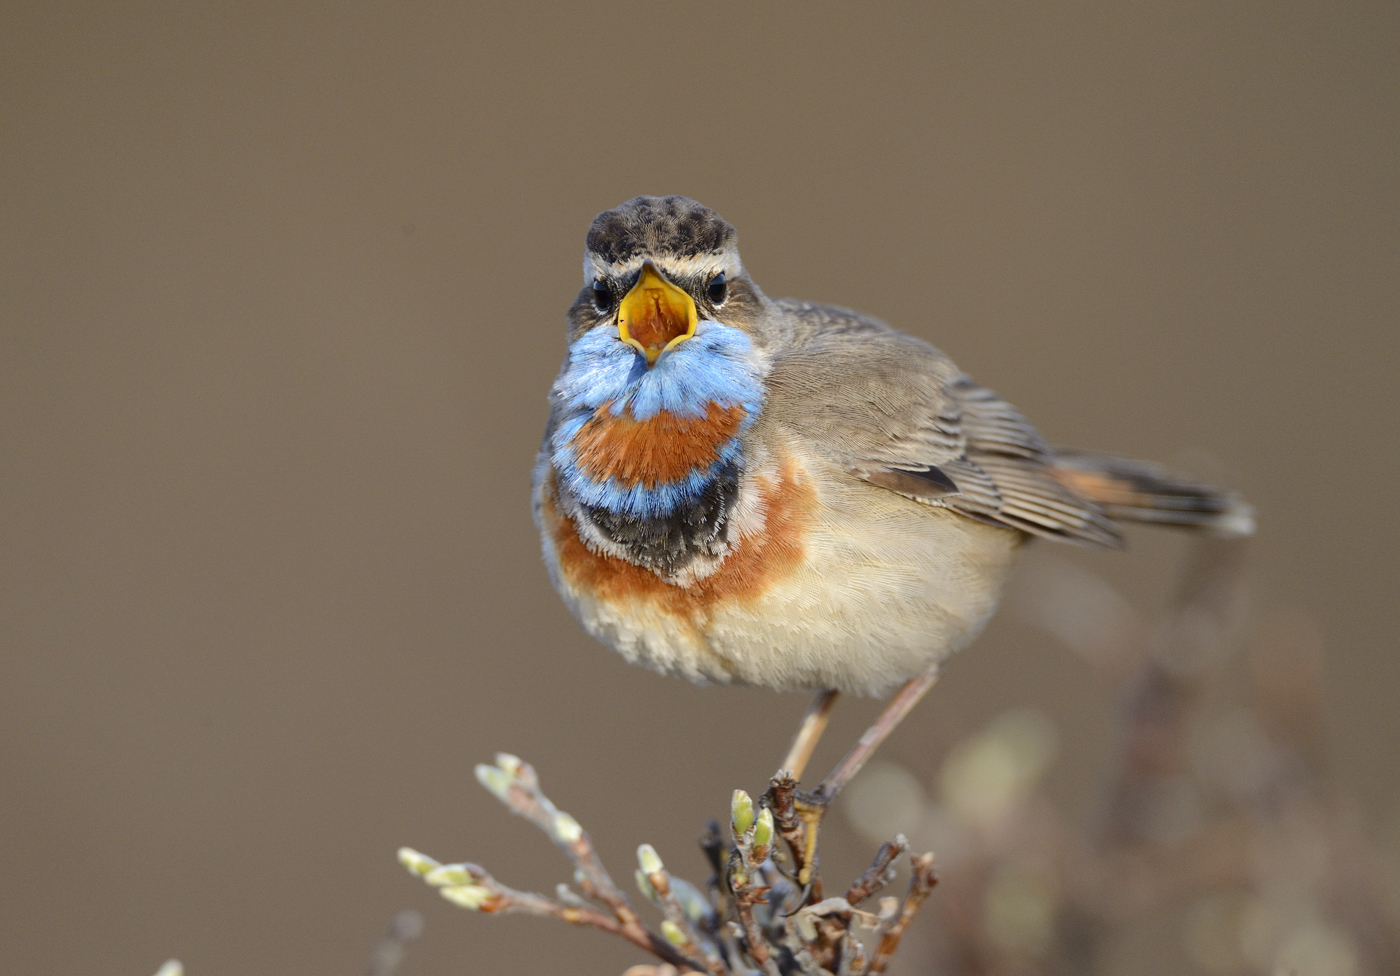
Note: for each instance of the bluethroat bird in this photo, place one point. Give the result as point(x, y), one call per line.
point(747, 490)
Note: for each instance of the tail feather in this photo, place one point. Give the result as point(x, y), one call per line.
point(1138, 491)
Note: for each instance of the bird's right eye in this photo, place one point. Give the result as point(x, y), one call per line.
point(602, 295)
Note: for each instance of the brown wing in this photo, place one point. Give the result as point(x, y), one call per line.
point(898, 414)
point(1002, 445)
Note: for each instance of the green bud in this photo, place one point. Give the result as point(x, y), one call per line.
point(567, 828)
point(449, 876)
point(763, 833)
point(494, 778)
point(648, 859)
point(468, 896)
point(696, 907)
point(741, 813)
point(415, 862)
point(674, 933)
point(644, 886)
point(518, 770)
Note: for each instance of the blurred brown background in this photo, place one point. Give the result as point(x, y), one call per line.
point(283, 290)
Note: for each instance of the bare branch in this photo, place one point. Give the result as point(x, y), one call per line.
point(679, 927)
point(744, 924)
point(781, 799)
point(879, 873)
point(515, 784)
point(747, 893)
point(919, 887)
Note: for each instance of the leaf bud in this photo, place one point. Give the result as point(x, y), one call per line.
point(567, 828)
point(415, 862)
point(740, 813)
point(470, 897)
point(763, 832)
point(494, 778)
point(674, 933)
point(649, 860)
point(449, 876)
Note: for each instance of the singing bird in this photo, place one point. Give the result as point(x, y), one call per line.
point(747, 490)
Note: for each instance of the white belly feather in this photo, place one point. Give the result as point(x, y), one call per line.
point(884, 588)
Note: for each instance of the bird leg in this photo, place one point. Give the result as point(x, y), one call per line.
point(811, 807)
point(900, 705)
point(810, 732)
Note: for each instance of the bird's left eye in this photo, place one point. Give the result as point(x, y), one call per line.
point(602, 295)
point(717, 289)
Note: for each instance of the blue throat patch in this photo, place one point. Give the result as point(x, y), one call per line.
point(715, 366)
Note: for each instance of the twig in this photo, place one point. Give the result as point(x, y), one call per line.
point(472, 887)
point(746, 895)
point(747, 887)
point(919, 887)
point(515, 784)
point(753, 840)
point(879, 873)
point(781, 799)
point(712, 845)
point(678, 927)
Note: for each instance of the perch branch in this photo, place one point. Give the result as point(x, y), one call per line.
point(812, 807)
point(744, 925)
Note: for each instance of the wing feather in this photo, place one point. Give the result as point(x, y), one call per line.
point(898, 414)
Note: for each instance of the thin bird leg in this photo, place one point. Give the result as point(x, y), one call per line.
point(811, 807)
point(900, 705)
point(810, 733)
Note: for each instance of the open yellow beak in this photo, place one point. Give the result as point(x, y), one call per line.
point(655, 315)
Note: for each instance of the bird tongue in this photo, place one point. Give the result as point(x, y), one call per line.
point(656, 322)
point(655, 315)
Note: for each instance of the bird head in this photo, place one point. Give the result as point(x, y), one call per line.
point(663, 375)
point(655, 268)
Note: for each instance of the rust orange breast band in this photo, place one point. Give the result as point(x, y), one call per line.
point(753, 565)
point(663, 449)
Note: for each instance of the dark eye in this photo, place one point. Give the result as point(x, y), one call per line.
point(717, 289)
point(602, 295)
